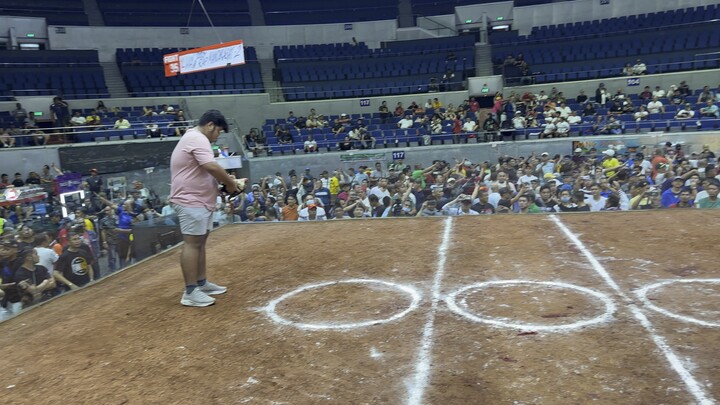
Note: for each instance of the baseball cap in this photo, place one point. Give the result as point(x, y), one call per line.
point(549, 176)
point(609, 152)
point(216, 117)
point(578, 150)
point(545, 154)
point(9, 242)
point(93, 170)
point(678, 178)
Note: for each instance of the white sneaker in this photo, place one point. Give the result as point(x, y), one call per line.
point(197, 298)
point(212, 289)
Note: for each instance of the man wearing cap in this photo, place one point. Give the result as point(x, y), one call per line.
point(312, 212)
point(672, 195)
point(459, 206)
point(610, 164)
point(193, 192)
point(546, 165)
point(94, 182)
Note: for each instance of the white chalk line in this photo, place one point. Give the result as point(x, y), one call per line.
point(691, 383)
point(463, 310)
point(271, 312)
point(418, 382)
point(642, 294)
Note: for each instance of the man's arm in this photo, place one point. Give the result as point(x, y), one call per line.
point(59, 276)
point(219, 173)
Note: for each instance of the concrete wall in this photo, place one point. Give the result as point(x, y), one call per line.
point(260, 167)
point(696, 80)
point(32, 159)
point(560, 12)
point(583, 10)
point(107, 39)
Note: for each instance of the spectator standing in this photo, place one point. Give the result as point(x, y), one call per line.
point(60, 112)
point(712, 200)
point(74, 267)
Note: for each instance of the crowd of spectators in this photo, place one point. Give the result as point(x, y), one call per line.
point(44, 253)
point(587, 180)
point(545, 115)
point(555, 115)
point(65, 126)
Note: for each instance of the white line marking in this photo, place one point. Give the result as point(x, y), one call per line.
point(642, 294)
point(463, 310)
point(417, 384)
point(692, 385)
point(270, 308)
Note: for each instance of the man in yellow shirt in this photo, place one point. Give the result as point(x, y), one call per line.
point(610, 164)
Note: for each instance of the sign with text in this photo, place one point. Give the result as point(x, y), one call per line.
point(398, 155)
point(362, 157)
point(364, 102)
point(205, 58)
point(633, 81)
point(67, 183)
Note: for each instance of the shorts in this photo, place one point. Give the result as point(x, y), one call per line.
point(194, 220)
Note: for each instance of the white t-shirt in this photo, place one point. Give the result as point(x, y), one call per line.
point(310, 144)
point(525, 179)
point(685, 114)
point(595, 205)
point(654, 107)
point(564, 111)
point(563, 127)
point(469, 126)
point(46, 258)
point(574, 120)
point(658, 93)
point(549, 128)
point(640, 115)
point(406, 123)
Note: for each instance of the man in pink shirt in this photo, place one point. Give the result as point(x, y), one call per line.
point(193, 193)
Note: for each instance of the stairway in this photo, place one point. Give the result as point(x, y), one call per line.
point(92, 10)
point(271, 86)
point(114, 80)
point(483, 60)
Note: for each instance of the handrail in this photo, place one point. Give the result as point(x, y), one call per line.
point(97, 129)
point(371, 54)
point(600, 34)
point(594, 73)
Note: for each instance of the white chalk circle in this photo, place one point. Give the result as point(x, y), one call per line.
point(409, 291)
point(643, 292)
point(463, 310)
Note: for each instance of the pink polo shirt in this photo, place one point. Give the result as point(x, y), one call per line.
point(192, 185)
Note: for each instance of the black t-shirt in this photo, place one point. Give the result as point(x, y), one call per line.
point(35, 277)
point(75, 266)
point(18, 183)
point(481, 208)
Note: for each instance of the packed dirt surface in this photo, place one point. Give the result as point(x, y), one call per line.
point(511, 310)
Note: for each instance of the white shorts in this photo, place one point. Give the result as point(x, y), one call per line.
point(194, 220)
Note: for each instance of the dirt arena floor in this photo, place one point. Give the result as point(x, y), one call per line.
point(611, 308)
